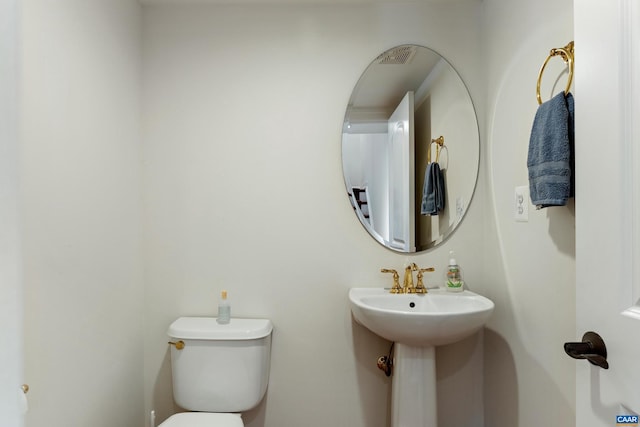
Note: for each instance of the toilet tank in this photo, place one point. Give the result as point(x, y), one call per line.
point(222, 368)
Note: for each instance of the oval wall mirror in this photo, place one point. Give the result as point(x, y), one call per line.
point(410, 149)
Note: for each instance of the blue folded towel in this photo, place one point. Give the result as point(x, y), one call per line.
point(428, 206)
point(439, 184)
point(550, 160)
point(432, 190)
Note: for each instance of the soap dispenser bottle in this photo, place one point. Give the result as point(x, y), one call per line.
point(224, 309)
point(454, 275)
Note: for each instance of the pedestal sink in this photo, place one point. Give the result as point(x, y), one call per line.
point(417, 323)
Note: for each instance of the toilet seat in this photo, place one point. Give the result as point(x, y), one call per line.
point(203, 419)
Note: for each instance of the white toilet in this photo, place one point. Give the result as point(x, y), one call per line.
point(218, 370)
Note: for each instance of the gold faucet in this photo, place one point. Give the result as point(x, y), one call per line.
point(408, 287)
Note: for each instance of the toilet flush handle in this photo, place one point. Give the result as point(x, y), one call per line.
point(179, 344)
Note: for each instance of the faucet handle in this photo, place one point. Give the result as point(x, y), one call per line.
point(396, 289)
point(420, 288)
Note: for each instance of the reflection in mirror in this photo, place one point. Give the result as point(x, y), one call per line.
point(410, 149)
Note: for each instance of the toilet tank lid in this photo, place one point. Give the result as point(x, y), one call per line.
point(206, 328)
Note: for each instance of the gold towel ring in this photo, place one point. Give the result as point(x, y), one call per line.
point(567, 55)
point(439, 144)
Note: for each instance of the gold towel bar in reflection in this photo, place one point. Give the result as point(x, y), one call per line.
point(567, 55)
point(439, 144)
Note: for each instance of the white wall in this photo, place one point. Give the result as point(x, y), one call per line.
point(242, 114)
point(11, 374)
point(446, 111)
point(529, 380)
point(81, 197)
point(243, 109)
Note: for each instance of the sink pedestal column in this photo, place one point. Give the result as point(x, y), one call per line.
point(413, 387)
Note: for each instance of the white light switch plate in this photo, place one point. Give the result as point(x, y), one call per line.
point(459, 207)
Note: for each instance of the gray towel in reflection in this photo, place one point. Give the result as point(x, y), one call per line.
point(550, 160)
point(432, 190)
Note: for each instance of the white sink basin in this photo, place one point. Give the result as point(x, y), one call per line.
point(420, 320)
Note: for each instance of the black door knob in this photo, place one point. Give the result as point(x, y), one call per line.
point(591, 348)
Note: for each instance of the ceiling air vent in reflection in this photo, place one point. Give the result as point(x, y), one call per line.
point(399, 55)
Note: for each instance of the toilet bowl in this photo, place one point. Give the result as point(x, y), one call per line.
point(218, 370)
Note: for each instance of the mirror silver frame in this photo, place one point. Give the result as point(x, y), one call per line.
point(406, 100)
